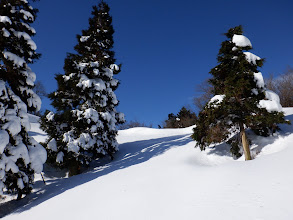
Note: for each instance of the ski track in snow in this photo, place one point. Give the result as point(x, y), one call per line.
point(158, 174)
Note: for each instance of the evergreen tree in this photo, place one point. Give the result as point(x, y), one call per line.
point(183, 119)
point(241, 100)
point(171, 121)
point(20, 155)
point(84, 125)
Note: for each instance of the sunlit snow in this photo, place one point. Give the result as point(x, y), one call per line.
point(158, 174)
point(241, 41)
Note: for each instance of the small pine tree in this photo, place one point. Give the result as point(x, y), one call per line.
point(84, 126)
point(241, 100)
point(183, 119)
point(20, 155)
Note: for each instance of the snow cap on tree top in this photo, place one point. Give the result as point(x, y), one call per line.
point(241, 41)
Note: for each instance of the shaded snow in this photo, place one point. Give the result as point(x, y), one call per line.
point(38, 156)
point(52, 145)
point(36, 132)
point(4, 137)
point(5, 33)
point(59, 158)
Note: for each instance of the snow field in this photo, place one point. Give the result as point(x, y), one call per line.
point(158, 174)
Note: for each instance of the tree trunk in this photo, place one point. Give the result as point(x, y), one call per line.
point(19, 195)
point(245, 144)
point(74, 168)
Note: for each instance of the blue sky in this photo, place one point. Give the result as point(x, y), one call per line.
point(166, 47)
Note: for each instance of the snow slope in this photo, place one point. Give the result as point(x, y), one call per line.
point(158, 174)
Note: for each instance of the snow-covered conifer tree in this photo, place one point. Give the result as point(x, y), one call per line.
point(20, 155)
point(84, 125)
point(241, 100)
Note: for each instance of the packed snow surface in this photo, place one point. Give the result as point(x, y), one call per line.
point(158, 174)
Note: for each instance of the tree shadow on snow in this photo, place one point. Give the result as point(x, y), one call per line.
point(130, 154)
point(219, 150)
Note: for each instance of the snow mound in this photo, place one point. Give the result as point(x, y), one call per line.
point(36, 132)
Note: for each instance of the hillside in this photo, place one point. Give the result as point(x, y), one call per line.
point(158, 174)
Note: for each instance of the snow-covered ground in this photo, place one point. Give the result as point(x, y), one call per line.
point(158, 174)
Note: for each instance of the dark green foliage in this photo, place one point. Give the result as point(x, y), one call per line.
point(184, 118)
point(234, 79)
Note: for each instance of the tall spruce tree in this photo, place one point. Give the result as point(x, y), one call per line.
point(84, 125)
point(20, 155)
point(241, 100)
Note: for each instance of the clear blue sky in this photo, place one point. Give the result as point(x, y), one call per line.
point(166, 47)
